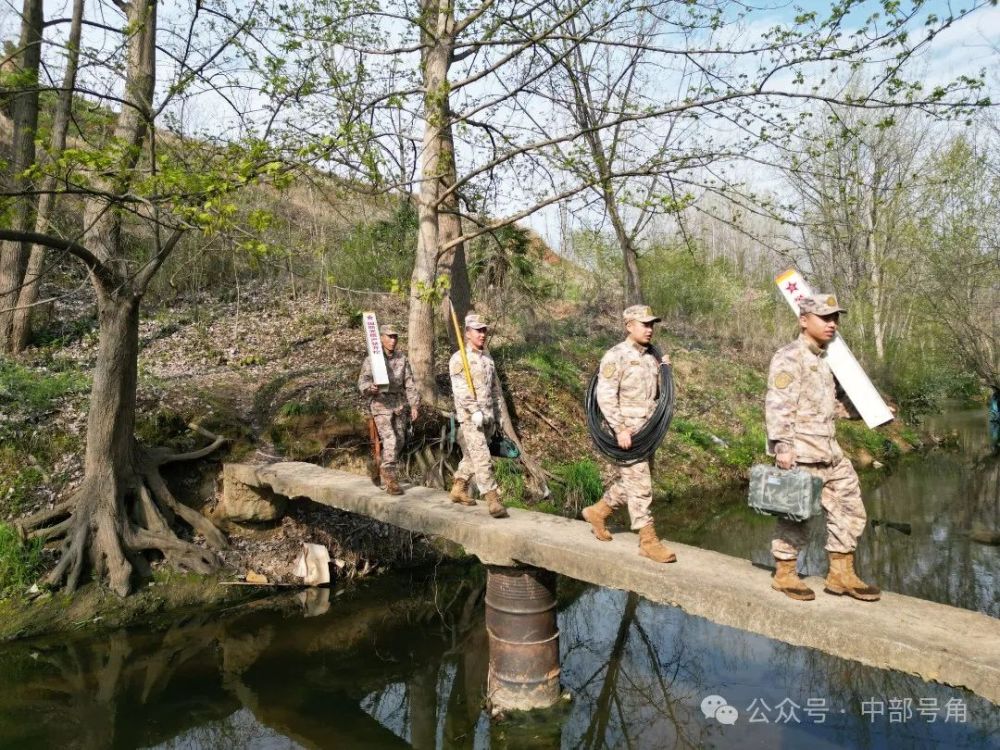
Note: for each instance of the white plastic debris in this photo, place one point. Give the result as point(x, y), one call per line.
point(313, 565)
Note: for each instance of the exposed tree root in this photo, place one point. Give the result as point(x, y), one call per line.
point(116, 519)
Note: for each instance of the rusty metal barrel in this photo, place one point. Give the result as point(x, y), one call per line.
point(523, 636)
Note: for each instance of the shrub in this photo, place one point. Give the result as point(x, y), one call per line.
point(581, 484)
point(19, 561)
point(510, 480)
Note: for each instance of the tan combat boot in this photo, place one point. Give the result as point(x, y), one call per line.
point(389, 482)
point(843, 580)
point(650, 546)
point(787, 581)
point(460, 492)
point(494, 505)
point(596, 515)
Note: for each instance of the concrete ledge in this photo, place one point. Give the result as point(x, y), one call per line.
point(936, 642)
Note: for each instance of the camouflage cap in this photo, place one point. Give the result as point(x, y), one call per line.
point(473, 320)
point(642, 313)
point(820, 304)
point(388, 329)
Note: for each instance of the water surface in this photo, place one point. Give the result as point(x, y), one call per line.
point(401, 660)
point(941, 506)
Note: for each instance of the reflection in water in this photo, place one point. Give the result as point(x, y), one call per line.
point(943, 514)
point(413, 674)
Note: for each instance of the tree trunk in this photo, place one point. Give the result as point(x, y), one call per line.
point(123, 508)
point(452, 263)
point(421, 317)
point(438, 17)
point(630, 258)
point(14, 255)
point(111, 420)
point(111, 463)
point(46, 205)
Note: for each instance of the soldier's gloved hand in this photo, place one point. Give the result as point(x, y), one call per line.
point(784, 456)
point(624, 439)
point(477, 418)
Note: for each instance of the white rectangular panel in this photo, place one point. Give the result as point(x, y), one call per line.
point(852, 378)
point(375, 354)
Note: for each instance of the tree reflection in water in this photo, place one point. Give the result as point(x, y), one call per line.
point(352, 672)
point(934, 524)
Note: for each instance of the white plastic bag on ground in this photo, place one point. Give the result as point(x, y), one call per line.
point(313, 565)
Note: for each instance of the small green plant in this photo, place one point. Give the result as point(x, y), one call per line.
point(581, 484)
point(18, 485)
point(251, 360)
point(691, 433)
point(748, 447)
point(29, 389)
point(554, 368)
point(19, 561)
point(857, 435)
point(510, 480)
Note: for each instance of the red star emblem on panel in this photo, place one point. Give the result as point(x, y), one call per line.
point(792, 286)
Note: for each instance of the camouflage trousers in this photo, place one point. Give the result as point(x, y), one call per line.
point(475, 456)
point(631, 486)
point(845, 513)
point(392, 434)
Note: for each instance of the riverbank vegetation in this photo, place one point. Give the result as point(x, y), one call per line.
point(175, 286)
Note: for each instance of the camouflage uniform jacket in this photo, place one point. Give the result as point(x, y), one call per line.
point(801, 404)
point(401, 390)
point(628, 381)
point(484, 378)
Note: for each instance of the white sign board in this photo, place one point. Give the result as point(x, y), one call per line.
point(375, 353)
point(866, 399)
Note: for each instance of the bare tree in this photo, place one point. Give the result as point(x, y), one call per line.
point(960, 253)
point(31, 281)
point(859, 183)
point(24, 111)
point(740, 102)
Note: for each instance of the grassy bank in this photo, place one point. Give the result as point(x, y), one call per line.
point(277, 377)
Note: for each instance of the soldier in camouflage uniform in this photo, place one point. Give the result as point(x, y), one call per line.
point(800, 409)
point(392, 406)
point(627, 387)
point(478, 415)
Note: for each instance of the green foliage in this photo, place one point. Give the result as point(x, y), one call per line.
point(554, 368)
point(27, 442)
point(19, 561)
point(510, 480)
point(691, 433)
point(375, 255)
point(852, 435)
point(18, 480)
point(503, 257)
point(678, 281)
point(748, 447)
point(505, 269)
point(162, 426)
point(580, 484)
point(27, 389)
point(920, 384)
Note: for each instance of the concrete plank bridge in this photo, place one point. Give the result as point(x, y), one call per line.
point(936, 642)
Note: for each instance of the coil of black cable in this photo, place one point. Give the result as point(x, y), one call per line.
point(647, 439)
